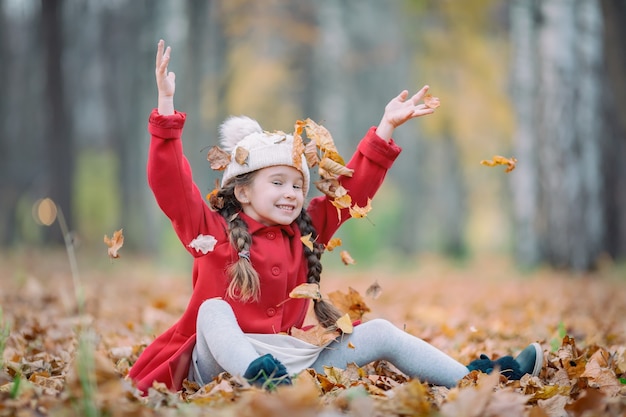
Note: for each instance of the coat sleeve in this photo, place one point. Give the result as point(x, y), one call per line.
point(371, 161)
point(170, 178)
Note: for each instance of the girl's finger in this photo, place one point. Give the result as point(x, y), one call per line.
point(420, 94)
point(159, 53)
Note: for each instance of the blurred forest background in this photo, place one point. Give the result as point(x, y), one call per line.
point(541, 80)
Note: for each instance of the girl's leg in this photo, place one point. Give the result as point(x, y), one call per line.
point(220, 343)
point(379, 339)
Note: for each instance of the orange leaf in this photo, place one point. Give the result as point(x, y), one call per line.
point(306, 290)
point(218, 158)
point(360, 212)
point(115, 243)
point(346, 258)
point(241, 155)
point(316, 335)
point(333, 243)
point(431, 102)
point(298, 146)
point(306, 240)
point(310, 152)
point(351, 303)
point(500, 160)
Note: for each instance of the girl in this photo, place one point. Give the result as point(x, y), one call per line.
point(248, 256)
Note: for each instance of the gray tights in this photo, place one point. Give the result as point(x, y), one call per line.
point(222, 346)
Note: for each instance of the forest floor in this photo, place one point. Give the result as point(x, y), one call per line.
point(64, 357)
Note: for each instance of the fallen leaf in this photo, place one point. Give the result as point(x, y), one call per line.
point(218, 158)
point(203, 243)
point(115, 243)
point(316, 335)
point(351, 303)
point(351, 346)
point(500, 160)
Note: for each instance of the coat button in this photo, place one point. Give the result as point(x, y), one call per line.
point(271, 312)
point(275, 270)
point(271, 235)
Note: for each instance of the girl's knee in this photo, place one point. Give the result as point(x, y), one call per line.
point(213, 307)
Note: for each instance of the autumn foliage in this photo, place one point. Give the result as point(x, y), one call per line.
point(59, 360)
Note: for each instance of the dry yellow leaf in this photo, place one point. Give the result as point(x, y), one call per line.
point(500, 160)
point(306, 290)
point(115, 243)
point(360, 212)
point(241, 155)
point(306, 240)
point(333, 243)
point(218, 158)
point(346, 258)
point(344, 323)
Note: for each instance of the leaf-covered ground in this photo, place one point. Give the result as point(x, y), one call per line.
point(64, 358)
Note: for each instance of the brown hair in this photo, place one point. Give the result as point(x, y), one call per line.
point(245, 284)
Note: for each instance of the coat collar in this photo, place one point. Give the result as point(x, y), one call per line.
point(254, 226)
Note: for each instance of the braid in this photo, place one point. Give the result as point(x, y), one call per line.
point(326, 313)
point(245, 284)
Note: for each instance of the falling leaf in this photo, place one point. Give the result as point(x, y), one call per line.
point(351, 303)
point(335, 168)
point(344, 323)
point(115, 243)
point(218, 158)
point(306, 240)
point(310, 153)
point(332, 244)
point(306, 290)
point(203, 243)
point(241, 155)
point(351, 346)
point(374, 290)
point(431, 102)
point(500, 160)
point(361, 212)
point(346, 258)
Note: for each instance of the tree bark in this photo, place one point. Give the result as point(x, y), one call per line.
point(59, 141)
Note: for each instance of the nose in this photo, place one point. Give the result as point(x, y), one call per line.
point(290, 192)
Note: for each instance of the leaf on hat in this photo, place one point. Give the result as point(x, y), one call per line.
point(332, 244)
point(500, 160)
point(218, 158)
point(114, 243)
point(241, 155)
point(431, 102)
point(306, 290)
point(360, 212)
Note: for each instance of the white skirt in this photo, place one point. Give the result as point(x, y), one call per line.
point(294, 353)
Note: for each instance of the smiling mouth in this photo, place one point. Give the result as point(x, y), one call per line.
point(284, 207)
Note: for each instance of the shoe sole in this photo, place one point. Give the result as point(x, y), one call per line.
point(538, 359)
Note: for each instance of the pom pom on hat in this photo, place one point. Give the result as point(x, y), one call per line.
point(264, 149)
point(235, 128)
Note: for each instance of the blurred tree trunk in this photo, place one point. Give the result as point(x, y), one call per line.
point(614, 153)
point(59, 141)
point(124, 40)
point(524, 90)
point(566, 128)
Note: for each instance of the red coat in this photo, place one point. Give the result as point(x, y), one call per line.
point(276, 251)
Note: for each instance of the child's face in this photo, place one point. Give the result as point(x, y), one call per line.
point(276, 195)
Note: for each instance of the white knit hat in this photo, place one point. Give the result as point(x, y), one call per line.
point(265, 149)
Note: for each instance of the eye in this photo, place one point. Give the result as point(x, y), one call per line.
point(276, 182)
point(297, 186)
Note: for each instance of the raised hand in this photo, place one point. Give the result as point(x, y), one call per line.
point(166, 81)
point(400, 109)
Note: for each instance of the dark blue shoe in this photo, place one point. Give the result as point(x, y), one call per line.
point(267, 372)
point(529, 361)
